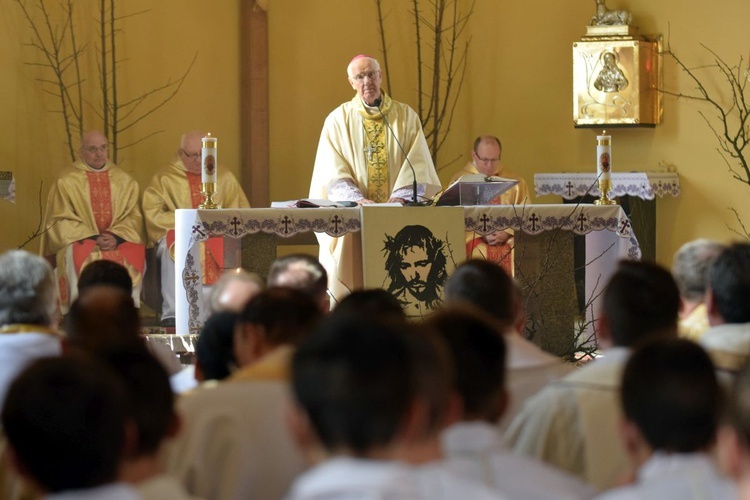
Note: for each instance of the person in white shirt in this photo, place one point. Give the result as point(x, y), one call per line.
point(473, 445)
point(65, 421)
point(364, 414)
point(486, 285)
point(671, 403)
point(572, 423)
point(728, 338)
point(150, 408)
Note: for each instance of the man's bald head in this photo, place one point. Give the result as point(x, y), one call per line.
point(94, 149)
point(190, 150)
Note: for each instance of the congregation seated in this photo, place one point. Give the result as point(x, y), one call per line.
point(150, 409)
point(178, 185)
point(485, 285)
point(572, 423)
point(29, 315)
point(214, 349)
point(733, 441)
point(728, 338)
point(375, 302)
point(473, 445)
point(93, 212)
point(671, 402)
point(369, 398)
point(234, 444)
point(65, 421)
point(690, 269)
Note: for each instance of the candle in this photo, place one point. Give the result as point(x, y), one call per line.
point(603, 156)
point(208, 159)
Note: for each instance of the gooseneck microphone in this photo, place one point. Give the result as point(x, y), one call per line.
point(413, 202)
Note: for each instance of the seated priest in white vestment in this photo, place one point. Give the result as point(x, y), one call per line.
point(672, 403)
point(234, 444)
point(572, 423)
point(473, 445)
point(178, 185)
point(93, 213)
point(369, 398)
point(728, 338)
point(366, 152)
point(485, 285)
point(690, 268)
point(486, 159)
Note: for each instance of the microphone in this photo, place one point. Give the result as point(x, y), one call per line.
point(413, 202)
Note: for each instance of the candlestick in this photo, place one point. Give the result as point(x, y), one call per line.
point(209, 153)
point(604, 168)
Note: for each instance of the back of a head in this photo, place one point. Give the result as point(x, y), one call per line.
point(65, 420)
point(738, 407)
point(100, 317)
point(28, 292)
point(105, 272)
point(233, 290)
point(354, 381)
point(286, 315)
point(730, 283)
point(478, 352)
point(214, 346)
point(691, 267)
point(371, 303)
point(671, 393)
point(301, 272)
point(485, 285)
point(149, 397)
point(640, 301)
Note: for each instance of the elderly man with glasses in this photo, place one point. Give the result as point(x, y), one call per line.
point(93, 213)
point(486, 160)
point(178, 185)
point(372, 150)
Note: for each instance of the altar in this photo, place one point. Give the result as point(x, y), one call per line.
point(608, 231)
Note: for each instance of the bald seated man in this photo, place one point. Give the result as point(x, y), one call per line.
point(178, 185)
point(93, 213)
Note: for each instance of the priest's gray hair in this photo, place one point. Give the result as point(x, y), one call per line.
point(691, 266)
point(28, 292)
point(372, 60)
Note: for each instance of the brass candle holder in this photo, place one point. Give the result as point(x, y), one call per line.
point(605, 185)
point(208, 190)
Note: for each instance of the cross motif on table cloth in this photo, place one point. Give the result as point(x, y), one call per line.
point(191, 278)
point(197, 229)
point(624, 225)
point(534, 219)
point(235, 222)
point(286, 221)
point(570, 187)
point(484, 220)
point(336, 221)
point(582, 218)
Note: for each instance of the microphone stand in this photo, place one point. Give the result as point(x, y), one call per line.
point(413, 202)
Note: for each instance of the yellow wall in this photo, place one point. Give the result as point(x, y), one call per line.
point(518, 86)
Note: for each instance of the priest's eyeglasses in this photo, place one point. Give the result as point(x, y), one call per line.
point(190, 155)
point(96, 149)
point(370, 74)
point(488, 160)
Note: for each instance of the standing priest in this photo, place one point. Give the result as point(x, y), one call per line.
point(362, 157)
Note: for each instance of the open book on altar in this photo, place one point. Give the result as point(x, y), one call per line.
point(474, 189)
point(312, 203)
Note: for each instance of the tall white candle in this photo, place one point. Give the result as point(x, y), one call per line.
point(603, 156)
point(209, 153)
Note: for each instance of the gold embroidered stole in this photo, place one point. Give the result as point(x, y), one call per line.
point(101, 199)
point(376, 151)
